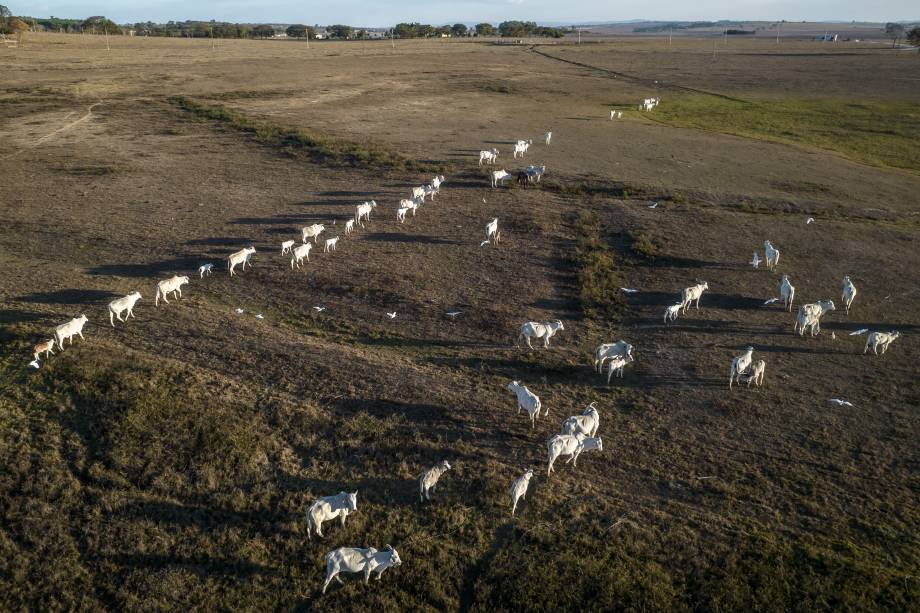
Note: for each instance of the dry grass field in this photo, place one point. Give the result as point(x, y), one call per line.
point(167, 463)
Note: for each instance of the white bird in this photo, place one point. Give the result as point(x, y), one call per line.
point(653, 205)
point(319, 309)
point(755, 261)
point(629, 290)
point(259, 316)
point(860, 331)
point(34, 364)
point(484, 243)
point(843, 403)
point(771, 301)
point(392, 315)
point(239, 311)
point(809, 220)
point(833, 336)
point(453, 313)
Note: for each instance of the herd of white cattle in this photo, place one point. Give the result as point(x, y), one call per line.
point(578, 432)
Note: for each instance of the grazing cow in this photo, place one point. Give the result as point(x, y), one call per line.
point(428, 480)
point(489, 157)
point(67, 331)
point(880, 339)
point(571, 445)
point(240, 257)
point(357, 560)
point(739, 365)
point(849, 293)
point(533, 329)
point(587, 423)
point(313, 232)
point(300, 252)
point(527, 400)
point(690, 294)
point(519, 489)
point(786, 292)
point(123, 304)
point(169, 286)
point(330, 507)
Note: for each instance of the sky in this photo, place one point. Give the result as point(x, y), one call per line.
point(381, 13)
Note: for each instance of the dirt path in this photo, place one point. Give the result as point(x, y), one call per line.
point(71, 125)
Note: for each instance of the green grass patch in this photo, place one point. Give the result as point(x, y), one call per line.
point(877, 133)
point(300, 142)
point(598, 276)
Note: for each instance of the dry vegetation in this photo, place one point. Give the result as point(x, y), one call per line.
point(167, 464)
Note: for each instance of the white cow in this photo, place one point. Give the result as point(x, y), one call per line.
point(492, 233)
point(849, 293)
point(617, 364)
point(240, 257)
point(330, 507)
point(300, 252)
point(357, 560)
point(609, 351)
point(401, 212)
point(286, 247)
point(691, 294)
point(528, 401)
point(419, 192)
point(880, 339)
point(571, 445)
point(205, 269)
point(428, 480)
point(169, 286)
point(548, 137)
point(754, 373)
point(771, 255)
point(437, 181)
point(489, 157)
point(349, 226)
point(519, 489)
point(313, 232)
point(671, 312)
point(587, 423)
point(533, 329)
point(123, 304)
point(787, 292)
point(67, 331)
point(521, 147)
point(739, 365)
point(498, 176)
point(363, 211)
point(330, 244)
point(809, 316)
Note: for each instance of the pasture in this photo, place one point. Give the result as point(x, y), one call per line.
point(168, 462)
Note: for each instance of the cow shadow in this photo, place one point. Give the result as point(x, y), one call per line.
point(68, 296)
point(17, 316)
point(398, 237)
point(176, 265)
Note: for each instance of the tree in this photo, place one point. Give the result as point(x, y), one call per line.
point(340, 31)
point(895, 32)
point(913, 37)
point(263, 31)
point(485, 29)
point(361, 35)
point(100, 24)
point(297, 31)
point(458, 29)
point(5, 14)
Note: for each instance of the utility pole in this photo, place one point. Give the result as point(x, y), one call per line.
point(670, 32)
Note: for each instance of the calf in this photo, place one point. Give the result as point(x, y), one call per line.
point(519, 489)
point(46, 347)
point(428, 480)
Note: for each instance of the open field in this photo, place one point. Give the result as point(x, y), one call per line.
point(167, 463)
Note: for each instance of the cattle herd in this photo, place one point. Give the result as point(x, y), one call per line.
point(579, 432)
